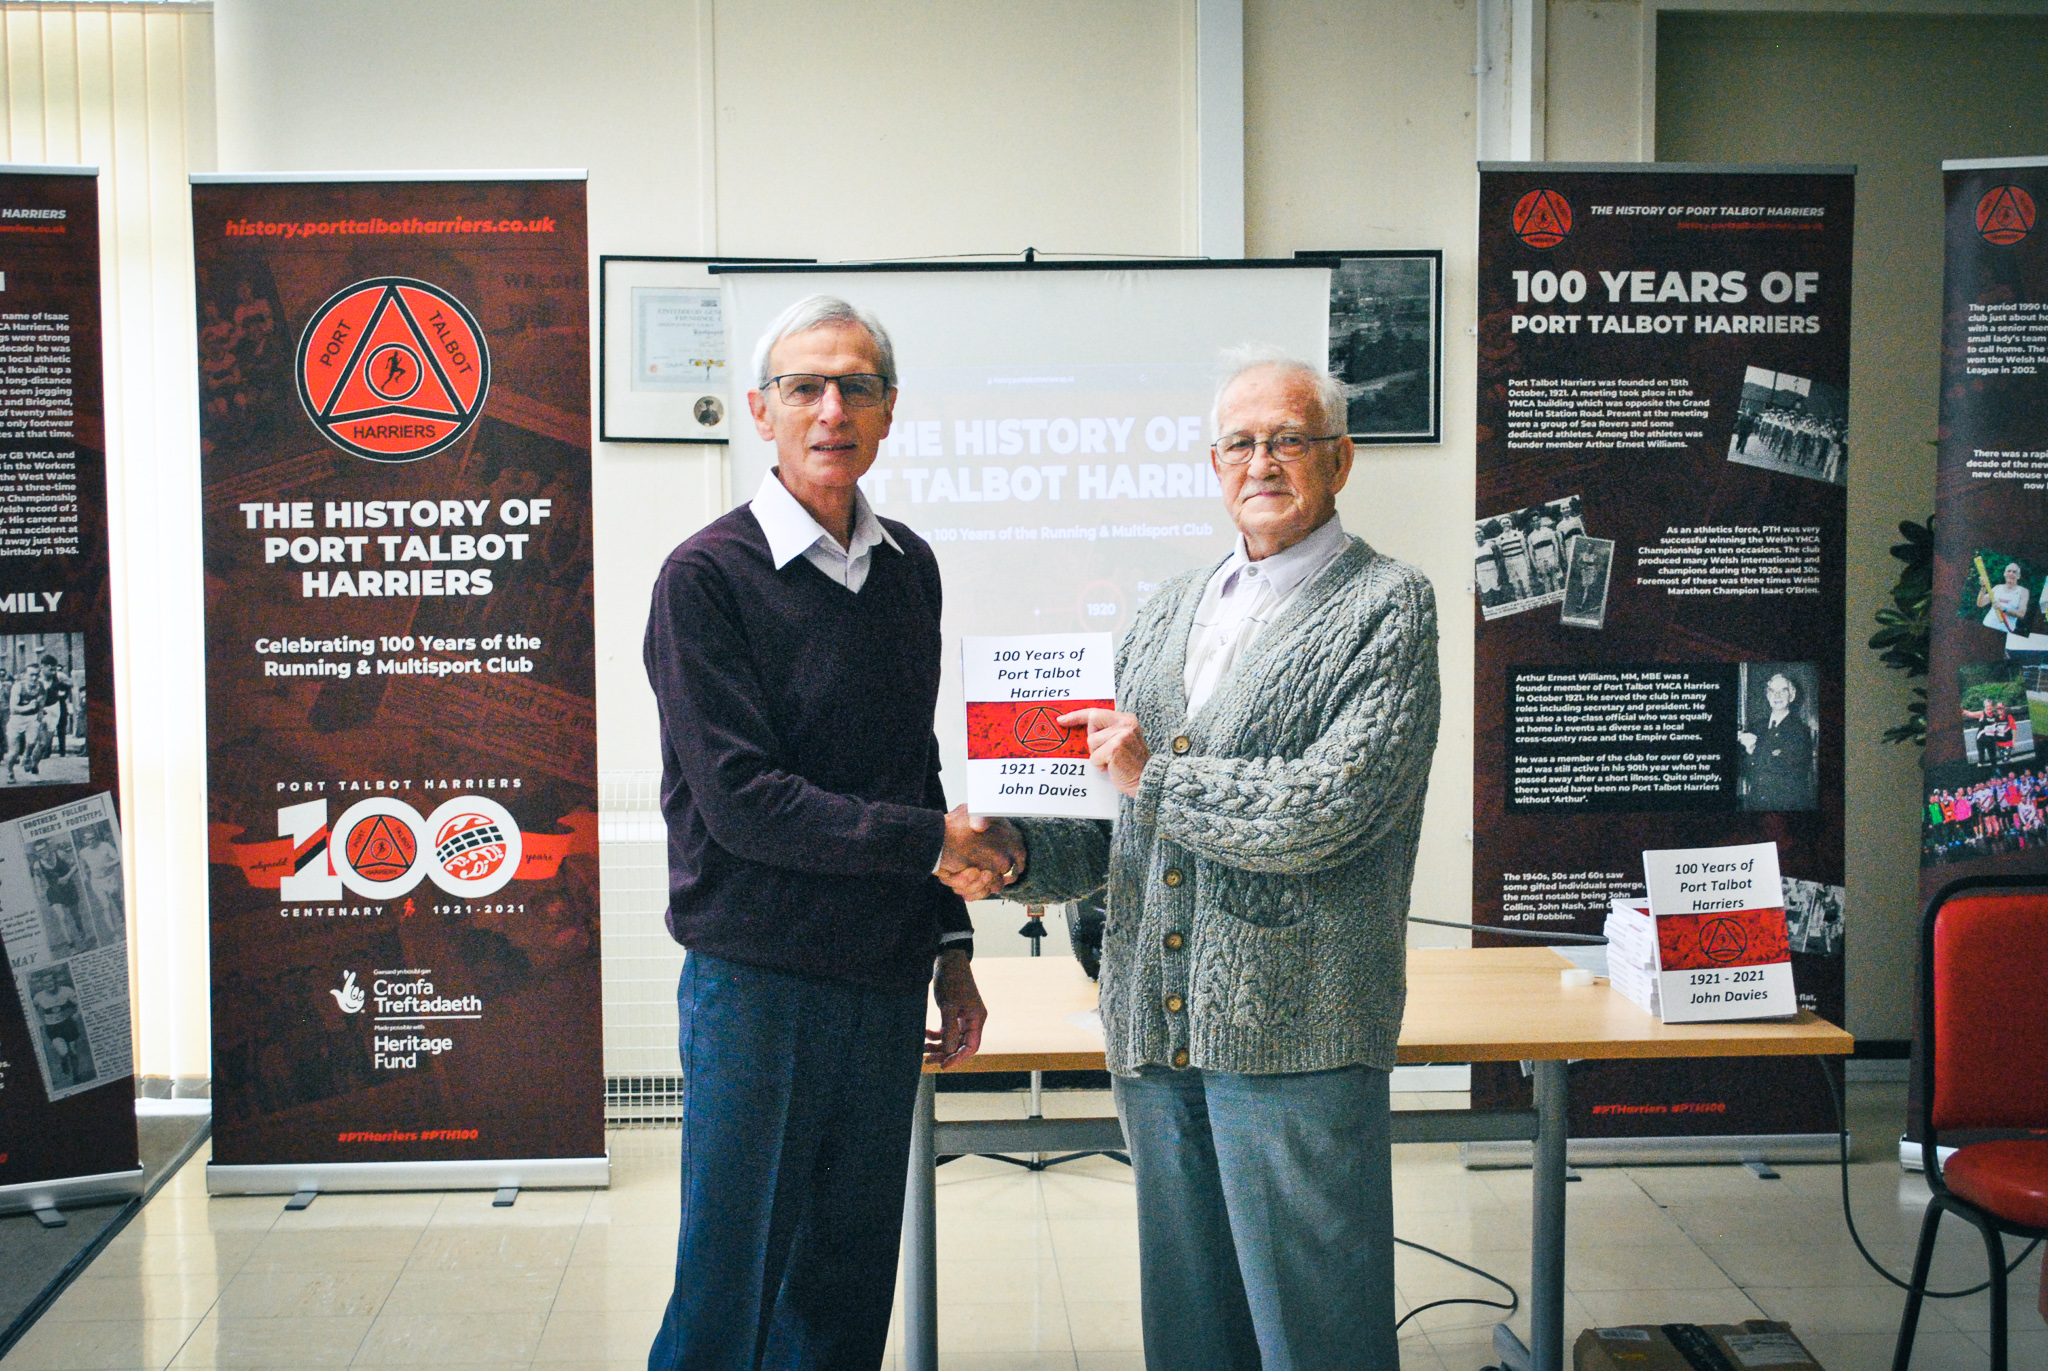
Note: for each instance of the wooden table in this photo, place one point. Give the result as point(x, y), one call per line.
point(1464, 1005)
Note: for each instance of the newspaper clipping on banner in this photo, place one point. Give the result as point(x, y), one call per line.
point(62, 919)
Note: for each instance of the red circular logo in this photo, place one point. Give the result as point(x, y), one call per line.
point(1723, 940)
point(470, 847)
point(381, 848)
point(1037, 729)
point(1542, 219)
point(393, 369)
point(2005, 215)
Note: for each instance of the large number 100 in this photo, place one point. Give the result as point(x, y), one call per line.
point(469, 846)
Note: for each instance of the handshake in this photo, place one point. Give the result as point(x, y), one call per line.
point(982, 856)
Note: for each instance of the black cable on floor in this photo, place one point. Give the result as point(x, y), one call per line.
point(1842, 1134)
point(1514, 1298)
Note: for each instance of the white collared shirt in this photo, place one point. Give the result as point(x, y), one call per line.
point(1242, 597)
point(793, 533)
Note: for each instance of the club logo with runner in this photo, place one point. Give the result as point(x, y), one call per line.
point(1037, 729)
point(1724, 940)
point(1542, 219)
point(2005, 215)
point(382, 849)
point(393, 369)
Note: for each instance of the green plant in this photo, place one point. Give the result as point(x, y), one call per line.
point(1902, 626)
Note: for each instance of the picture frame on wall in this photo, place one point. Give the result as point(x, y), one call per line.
point(1387, 341)
point(664, 375)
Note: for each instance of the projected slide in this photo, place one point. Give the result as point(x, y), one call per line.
point(1051, 436)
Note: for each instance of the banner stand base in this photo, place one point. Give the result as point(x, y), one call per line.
point(541, 1173)
point(1731, 1148)
point(71, 1191)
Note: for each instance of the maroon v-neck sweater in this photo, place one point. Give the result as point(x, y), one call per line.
point(799, 773)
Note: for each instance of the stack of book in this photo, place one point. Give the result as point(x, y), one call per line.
point(1632, 952)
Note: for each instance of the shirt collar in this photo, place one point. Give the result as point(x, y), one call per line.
point(791, 531)
point(1287, 569)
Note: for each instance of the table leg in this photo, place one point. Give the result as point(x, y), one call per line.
point(921, 1239)
point(1545, 1351)
point(1546, 1275)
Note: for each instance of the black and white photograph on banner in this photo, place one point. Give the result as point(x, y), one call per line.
point(1997, 713)
point(42, 679)
point(1385, 341)
point(1813, 917)
point(1792, 424)
point(1588, 568)
point(1520, 559)
point(60, 1026)
point(1778, 729)
point(60, 887)
point(2002, 592)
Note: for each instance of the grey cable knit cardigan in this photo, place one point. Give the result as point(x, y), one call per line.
point(1258, 883)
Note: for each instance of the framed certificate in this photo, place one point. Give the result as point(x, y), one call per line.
point(664, 374)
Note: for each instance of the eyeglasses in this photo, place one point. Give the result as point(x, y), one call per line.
point(857, 390)
point(1236, 449)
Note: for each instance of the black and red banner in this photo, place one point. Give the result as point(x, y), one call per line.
point(394, 383)
point(1663, 452)
point(1987, 703)
point(67, 1089)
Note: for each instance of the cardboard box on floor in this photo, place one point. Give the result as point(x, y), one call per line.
point(1749, 1346)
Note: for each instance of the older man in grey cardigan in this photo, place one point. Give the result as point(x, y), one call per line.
point(1279, 714)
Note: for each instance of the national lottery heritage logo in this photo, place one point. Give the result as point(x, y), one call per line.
point(2005, 214)
point(1542, 219)
point(393, 369)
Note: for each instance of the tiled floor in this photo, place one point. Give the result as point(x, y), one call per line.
point(1037, 1270)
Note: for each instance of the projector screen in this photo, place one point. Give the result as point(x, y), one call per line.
point(1051, 435)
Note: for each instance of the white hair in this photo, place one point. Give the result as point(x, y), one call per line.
point(817, 311)
point(1332, 395)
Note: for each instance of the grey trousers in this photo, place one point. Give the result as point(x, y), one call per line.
point(1265, 1219)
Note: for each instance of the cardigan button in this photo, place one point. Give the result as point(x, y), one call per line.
point(1180, 1058)
point(1173, 1004)
point(1173, 942)
point(1181, 745)
point(1172, 876)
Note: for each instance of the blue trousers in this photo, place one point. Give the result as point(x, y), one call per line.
point(1265, 1219)
point(796, 1139)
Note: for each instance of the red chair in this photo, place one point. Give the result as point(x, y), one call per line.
point(1984, 1035)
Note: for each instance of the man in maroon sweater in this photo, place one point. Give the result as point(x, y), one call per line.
point(793, 648)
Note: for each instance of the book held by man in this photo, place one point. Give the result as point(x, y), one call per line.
point(1021, 762)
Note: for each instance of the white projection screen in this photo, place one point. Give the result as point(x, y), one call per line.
point(1051, 435)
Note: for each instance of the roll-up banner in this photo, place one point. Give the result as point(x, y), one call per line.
point(1985, 771)
point(1663, 451)
point(67, 1075)
point(395, 417)
point(1987, 704)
